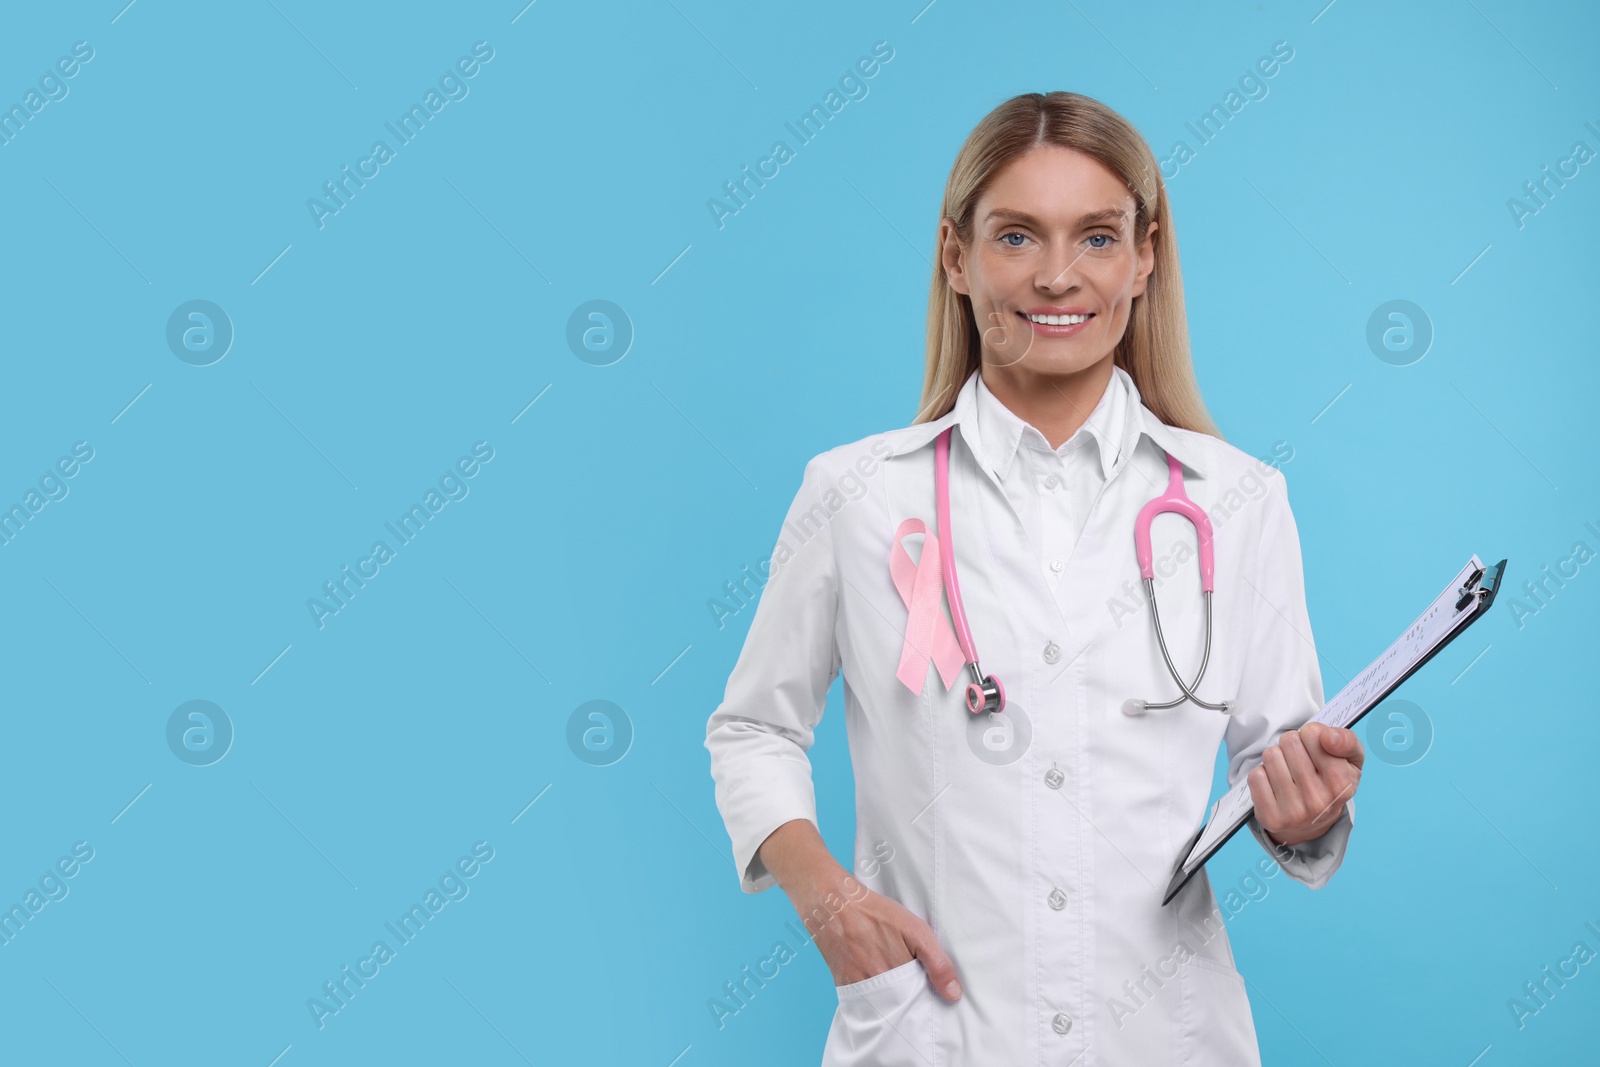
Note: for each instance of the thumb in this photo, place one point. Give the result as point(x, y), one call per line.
point(924, 945)
point(1343, 741)
point(1334, 741)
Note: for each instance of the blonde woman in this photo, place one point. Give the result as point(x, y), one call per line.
point(1018, 816)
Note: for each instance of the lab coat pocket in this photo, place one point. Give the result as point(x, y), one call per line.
point(1218, 1028)
point(883, 1021)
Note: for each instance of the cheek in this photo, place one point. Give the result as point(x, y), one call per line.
point(1120, 297)
point(1119, 303)
point(997, 278)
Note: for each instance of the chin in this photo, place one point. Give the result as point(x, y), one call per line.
point(1046, 362)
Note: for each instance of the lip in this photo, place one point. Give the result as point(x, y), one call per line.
point(1043, 330)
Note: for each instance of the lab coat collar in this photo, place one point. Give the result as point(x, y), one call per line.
point(1107, 425)
point(1140, 422)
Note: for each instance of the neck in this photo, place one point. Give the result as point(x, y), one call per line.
point(1055, 404)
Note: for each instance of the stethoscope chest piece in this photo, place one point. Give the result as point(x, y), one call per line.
point(986, 696)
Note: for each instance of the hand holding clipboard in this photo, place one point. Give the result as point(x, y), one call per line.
point(1463, 601)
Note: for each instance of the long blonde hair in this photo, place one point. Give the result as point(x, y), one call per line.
point(1155, 347)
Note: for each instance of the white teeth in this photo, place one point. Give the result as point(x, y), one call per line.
point(1058, 320)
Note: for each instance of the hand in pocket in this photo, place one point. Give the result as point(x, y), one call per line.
point(871, 934)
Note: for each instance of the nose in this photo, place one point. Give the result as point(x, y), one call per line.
point(1058, 272)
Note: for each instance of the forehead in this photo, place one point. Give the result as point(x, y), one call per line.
point(1055, 184)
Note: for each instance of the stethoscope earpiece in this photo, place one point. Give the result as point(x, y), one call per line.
point(1133, 707)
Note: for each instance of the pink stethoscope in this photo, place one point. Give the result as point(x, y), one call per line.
point(985, 694)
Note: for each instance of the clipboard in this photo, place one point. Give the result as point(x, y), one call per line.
point(1465, 600)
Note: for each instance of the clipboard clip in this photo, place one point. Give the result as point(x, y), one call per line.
point(1481, 583)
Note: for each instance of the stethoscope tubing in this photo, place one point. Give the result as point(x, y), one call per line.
point(986, 694)
point(1139, 707)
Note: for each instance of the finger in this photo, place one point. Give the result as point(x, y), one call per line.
point(1283, 784)
point(1322, 742)
point(1333, 806)
point(866, 956)
point(924, 945)
point(1353, 750)
point(1337, 774)
point(1329, 739)
point(1344, 744)
point(1308, 779)
point(1343, 781)
point(1328, 814)
point(1338, 756)
point(1265, 801)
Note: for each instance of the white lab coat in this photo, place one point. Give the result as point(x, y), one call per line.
point(1041, 866)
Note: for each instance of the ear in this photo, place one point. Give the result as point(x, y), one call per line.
point(1147, 260)
point(953, 257)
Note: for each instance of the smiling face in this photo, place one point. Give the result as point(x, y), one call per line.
point(1052, 267)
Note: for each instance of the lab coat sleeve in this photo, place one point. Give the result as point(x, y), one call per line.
point(759, 735)
point(1281, 688)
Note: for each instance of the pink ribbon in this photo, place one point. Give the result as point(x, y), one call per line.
point(921, 587)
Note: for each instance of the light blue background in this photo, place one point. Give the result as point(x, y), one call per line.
point(428, 314)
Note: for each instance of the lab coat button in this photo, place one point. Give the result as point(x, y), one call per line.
point(1055, 565)
point(1061, 1023)
point(1057, 899)
point(1051, 482)
point(1053, 777)
point(1052, 652)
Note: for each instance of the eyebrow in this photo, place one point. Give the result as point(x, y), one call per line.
point(1092, 218)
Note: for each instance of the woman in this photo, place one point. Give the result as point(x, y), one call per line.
point(1012, 864)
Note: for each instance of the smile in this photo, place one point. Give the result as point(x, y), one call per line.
point(1057, 325)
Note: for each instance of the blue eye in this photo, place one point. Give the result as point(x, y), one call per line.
point(1013, 233)
point(1105, 236)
